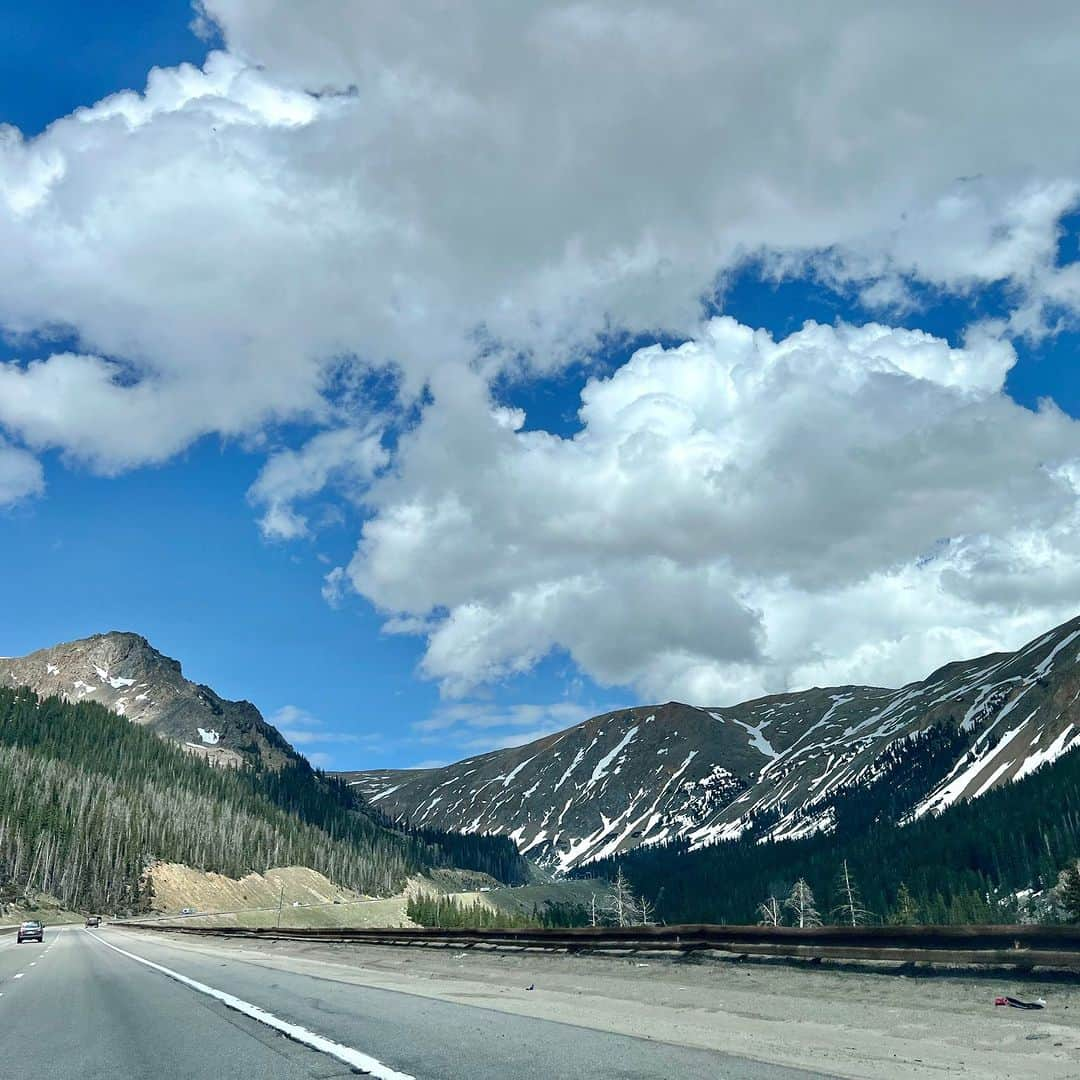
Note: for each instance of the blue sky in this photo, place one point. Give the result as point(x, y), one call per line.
point(515, 621)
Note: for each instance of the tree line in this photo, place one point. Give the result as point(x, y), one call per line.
point(451, 912)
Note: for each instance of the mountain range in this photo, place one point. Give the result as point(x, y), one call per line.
point(776, 766)
point(779, 767)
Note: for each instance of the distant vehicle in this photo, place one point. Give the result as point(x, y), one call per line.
point(93, 920)
point(31, 930)
point(187, 911)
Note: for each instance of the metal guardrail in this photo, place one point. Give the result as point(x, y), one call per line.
point(1016, 946)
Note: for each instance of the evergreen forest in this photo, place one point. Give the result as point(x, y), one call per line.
point(88, 800)
point(428, 909)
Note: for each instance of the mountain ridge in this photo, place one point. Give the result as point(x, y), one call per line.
point(776, 764)
point(121, 670)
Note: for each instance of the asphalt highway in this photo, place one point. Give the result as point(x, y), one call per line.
point(114, 1005)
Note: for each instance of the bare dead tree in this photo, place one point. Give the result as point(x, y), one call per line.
point(801, 904)
point(770, 912)
point(645, 911)
point(621, 903)
point(850, 910)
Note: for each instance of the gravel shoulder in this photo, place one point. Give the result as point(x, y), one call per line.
point(842, 1022)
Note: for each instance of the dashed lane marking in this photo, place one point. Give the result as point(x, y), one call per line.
point(354, 1058)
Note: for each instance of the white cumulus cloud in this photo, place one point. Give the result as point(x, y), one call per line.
point(429, 186)
point(736, 515)
point(450, 192)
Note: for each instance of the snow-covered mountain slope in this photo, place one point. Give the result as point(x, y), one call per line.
point(778, 764)
point(126, 674)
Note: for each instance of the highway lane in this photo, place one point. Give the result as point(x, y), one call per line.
point(77, 1009)
point(88, 1008)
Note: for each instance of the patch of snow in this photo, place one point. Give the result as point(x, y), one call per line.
point(955, 785)
point(1064, 742)
point(539, 838)
point(508, 778)
point(383, 794)
point(578, 757)
point(757, 739)
point(210, 737)
point(602, 765)
point(993, 778)
point(1047, 662)
point(52, 669)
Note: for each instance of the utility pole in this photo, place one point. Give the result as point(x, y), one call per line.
point(281, 897)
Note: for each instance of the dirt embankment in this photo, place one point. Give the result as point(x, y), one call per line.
point(306, 898)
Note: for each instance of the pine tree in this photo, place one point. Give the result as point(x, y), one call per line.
point(801, 904)
point(1068, 891)
point(906, 911)
point(850, 911)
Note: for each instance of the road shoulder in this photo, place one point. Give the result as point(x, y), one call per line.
point(845, 1023)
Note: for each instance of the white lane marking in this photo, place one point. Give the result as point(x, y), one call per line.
point(347, 1054)
point(33, 963)
point(19, 976)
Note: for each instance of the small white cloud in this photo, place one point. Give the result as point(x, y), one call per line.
point(21, 475)
point(345, 456)
point(303, 729)
point(477, 727)
point(336, 586)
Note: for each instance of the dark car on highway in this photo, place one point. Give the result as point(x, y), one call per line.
point(31, 930)
point(93, 920)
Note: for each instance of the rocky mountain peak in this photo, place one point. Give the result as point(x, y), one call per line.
point(124, 672)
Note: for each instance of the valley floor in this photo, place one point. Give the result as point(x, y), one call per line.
point(836, 1022)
